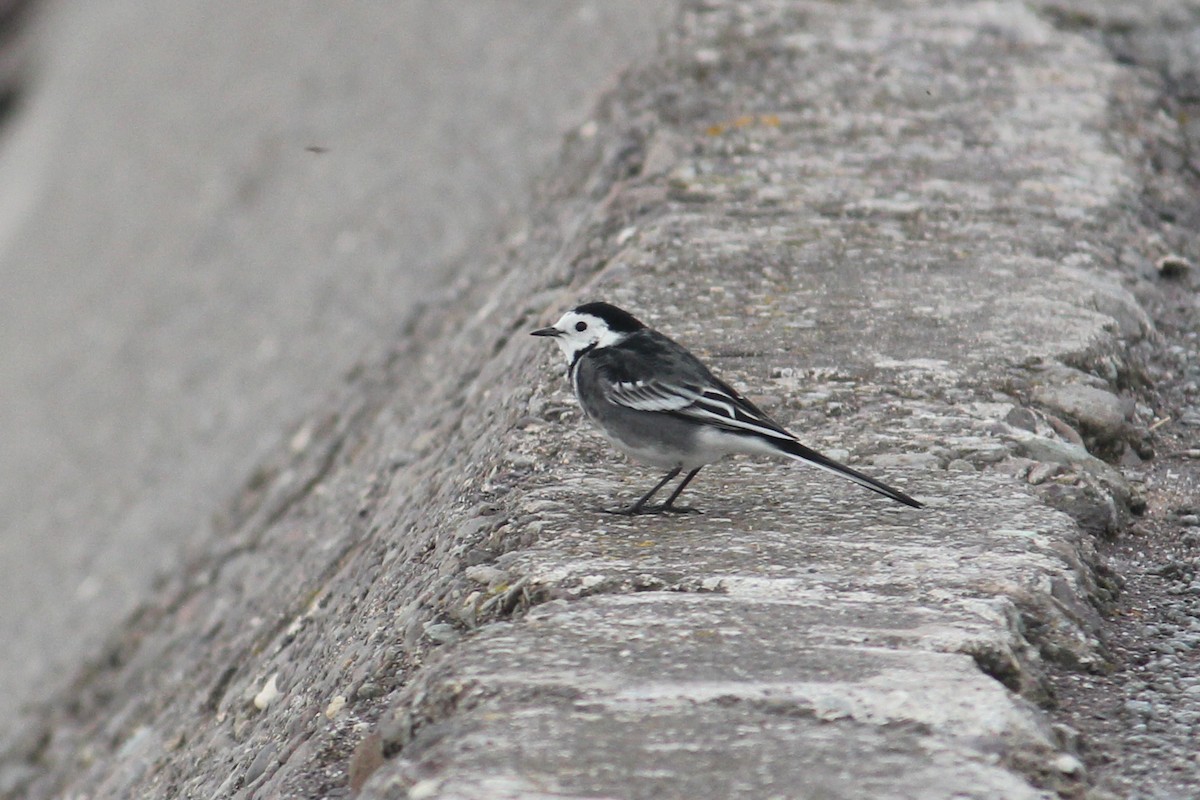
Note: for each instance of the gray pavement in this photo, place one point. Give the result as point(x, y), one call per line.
point(184, 277)
point(901, 228)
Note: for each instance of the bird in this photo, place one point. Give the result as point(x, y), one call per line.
point(662, 406)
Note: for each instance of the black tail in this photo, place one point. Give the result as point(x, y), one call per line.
point(799, 451)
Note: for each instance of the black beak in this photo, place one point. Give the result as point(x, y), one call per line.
point(551, 331)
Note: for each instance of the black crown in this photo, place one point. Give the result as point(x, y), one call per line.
point(617, 319)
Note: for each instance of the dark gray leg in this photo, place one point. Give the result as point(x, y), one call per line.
point(670, 504)
point(640, 506)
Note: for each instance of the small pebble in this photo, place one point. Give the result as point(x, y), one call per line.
point(268, 693)
point(442, 632)
point(1139, 707)
point(335, 706)
point(1172, 266)
point(1042, 472)
point(369, 690)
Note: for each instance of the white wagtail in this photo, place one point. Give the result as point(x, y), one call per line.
point(657, 402)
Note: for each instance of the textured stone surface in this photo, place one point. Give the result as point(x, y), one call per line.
point(890, 219)
point(1097, 411)
point(210, 212)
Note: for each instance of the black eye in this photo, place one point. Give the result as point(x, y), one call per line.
point(581, 326)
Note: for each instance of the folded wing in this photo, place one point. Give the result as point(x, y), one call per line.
point(717, 405)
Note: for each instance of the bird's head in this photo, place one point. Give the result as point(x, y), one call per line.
point(589, 327)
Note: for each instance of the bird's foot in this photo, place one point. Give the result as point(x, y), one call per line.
point(628, 511)
point(662, 508)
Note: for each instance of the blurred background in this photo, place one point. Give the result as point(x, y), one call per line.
point(209, 211)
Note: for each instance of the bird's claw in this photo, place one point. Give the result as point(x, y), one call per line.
point(636, 510)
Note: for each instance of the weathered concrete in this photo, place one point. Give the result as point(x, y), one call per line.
point(184, 278)
point(889, 223)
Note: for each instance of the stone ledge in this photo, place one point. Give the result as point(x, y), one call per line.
point(863, 213)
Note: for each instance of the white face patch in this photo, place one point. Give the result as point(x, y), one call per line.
point(580, 331)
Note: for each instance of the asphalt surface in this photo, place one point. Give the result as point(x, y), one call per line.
point(1139, 717)
point(209, 212)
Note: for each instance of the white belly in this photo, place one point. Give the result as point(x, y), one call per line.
point(708, 446)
